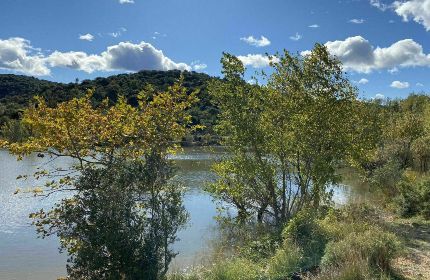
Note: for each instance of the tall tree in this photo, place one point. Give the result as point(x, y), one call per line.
point(285, 138)
point(122, 216)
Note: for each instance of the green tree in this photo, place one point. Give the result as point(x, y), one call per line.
point(120, 223)
point(122, 215)
point(285, 139)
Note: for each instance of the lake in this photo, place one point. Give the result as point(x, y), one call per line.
point(24, 256)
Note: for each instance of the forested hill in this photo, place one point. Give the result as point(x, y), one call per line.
point(16, 91)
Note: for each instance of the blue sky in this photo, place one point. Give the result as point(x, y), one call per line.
point(385, 45)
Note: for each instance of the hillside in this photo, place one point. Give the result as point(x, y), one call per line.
point(16, 91)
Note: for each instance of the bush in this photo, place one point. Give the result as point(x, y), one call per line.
point(353, 271)
point(385, 177)
point(235, 269)
point(305, 231)
point(284, 263)
point(413, 198)
point(375, 246)
point(339, 223)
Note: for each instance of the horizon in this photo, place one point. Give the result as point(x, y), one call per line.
point(104, 38)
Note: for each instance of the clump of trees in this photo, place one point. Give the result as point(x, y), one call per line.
point(286, 138)
point(398, 165)
point(120, 214)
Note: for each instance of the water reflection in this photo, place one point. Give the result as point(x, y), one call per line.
point(23, 256)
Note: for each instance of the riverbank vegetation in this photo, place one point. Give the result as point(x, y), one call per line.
point(285, 140)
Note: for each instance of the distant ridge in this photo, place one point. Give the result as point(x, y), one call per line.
point(16, 91)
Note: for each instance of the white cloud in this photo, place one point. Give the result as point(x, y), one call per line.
point(417, 10)
point(198, 66)
point(77, 60)
point(17, 54)
point(419, 84)
point(314, 26)
point(357, 21)
point(393, 70)
point(115, 34)
point(380, 5)
point(134, 57)
point(250, 40)
point(86, 37)
point(399, 85)
point(296, 37)
point(256, 60)
point(379, 96)
point(126, 1)
point(363, 81)
point(357, 54)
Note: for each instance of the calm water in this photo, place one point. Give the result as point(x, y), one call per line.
point(24, 256)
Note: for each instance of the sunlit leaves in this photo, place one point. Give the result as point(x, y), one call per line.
point(92, 134)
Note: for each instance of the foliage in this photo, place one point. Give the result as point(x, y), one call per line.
point(14, 131)
point(305, 231)
point(375, 246)
point(17, 92)
point(236, 269)
point(284, 139)
point(402, 144)
point(120, 222)
point(91, 134)
point(358, 270)
point(285, 262)
point(413, 198)
point(122, 215)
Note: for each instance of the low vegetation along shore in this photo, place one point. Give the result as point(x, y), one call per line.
point(285, 139)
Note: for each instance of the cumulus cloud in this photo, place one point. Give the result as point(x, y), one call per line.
point(198, 66)
point(399, 85)
point(86, 37)
point(250, 40)
point(76, 60)
point(362, 81)
point(314, 26)
point(419, 84)
point(417, 10)
point(134, 57)
point(379, 96)
point(357, 54)
point(357, 21)
point(296, 37)
point(256, 60)
point(17, 54)
point(126, 1)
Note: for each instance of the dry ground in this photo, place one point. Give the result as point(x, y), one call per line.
point(415, 263)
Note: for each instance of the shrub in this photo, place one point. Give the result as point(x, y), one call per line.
point(413, 198)
point(305, 231)
point(263, 247)
point(339, 223)
point(385, 177)
point(284, 263)
point(359, 270)
point(375, 246)
point(235, 269)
